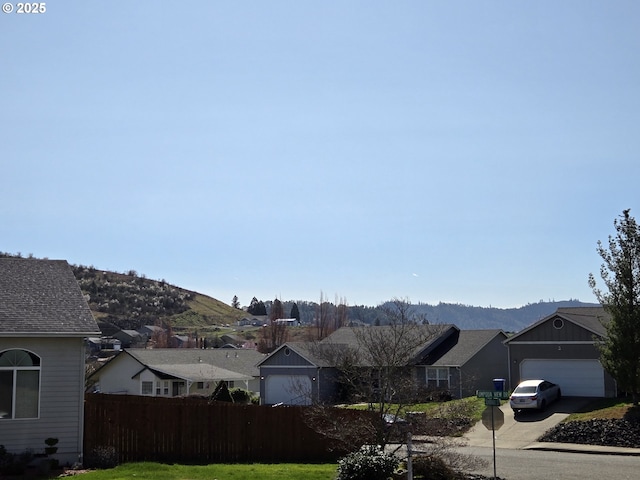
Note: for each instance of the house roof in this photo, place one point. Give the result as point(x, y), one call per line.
point(198, 372)
point(430, 335)
point(42, 298)
point(324, 353)
point(469, 343)
point(317, 353)
point(240, 361)
point(592, 319)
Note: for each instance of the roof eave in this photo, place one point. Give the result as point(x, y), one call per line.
point(51, 334)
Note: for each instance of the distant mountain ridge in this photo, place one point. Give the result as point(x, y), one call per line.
point(509, 319)
point(128, 300)
point(463, 316)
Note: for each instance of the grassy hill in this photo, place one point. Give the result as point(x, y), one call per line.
point(128, 301)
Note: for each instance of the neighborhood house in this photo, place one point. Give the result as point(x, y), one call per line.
point(562, 348)
point(452, 360)
point(171, 372)
point(44, 320)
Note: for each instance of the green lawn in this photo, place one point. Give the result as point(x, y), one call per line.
point(606, 408)
point(157, 471)
point(470, 407)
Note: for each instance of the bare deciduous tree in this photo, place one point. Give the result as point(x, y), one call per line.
point(375, 363)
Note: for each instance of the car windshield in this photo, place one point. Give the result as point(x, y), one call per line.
point(525, 389)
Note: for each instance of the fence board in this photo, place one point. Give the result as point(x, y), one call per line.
point(191, 430)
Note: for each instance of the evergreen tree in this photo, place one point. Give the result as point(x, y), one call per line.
point(257, 307)
point(235, 303)
point(295, 312)
point(620, 273)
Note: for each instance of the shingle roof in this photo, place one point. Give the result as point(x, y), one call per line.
point(42, 298)
point(469, 343)
point(242, 361)
point(199, 372)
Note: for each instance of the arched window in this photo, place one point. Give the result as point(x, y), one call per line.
point(19, 384)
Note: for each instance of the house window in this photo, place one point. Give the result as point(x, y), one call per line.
point(147, 388)
point(19, 384)
point(162, 388)
point(200, 386)
point(438, 377)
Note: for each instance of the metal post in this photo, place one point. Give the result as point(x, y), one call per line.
point(409, 461)
point(493, 434)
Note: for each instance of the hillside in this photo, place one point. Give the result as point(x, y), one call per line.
point(128, 301)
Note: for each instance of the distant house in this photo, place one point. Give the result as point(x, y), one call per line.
point(562, 348)
point(290, 322)
point(171, 372)
point(179, 341)
point(44, 319)
point(454, 360)
point(151, 330)
point(131, 338)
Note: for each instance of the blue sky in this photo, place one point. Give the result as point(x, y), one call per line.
point(467, 152)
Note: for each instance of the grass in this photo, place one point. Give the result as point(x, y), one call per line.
point(471, 407)
point(606, 408)
point(158, 471)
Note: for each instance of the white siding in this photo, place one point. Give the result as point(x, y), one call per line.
point(117, 376)
point(61, 399)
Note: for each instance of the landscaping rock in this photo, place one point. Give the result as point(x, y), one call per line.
point(612, 433)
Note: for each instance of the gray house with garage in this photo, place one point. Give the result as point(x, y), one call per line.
point(452, 360)
point(562, 348)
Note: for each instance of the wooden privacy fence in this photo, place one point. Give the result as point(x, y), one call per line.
point(190, 430)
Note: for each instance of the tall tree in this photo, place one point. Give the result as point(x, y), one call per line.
point(620, 273)
point(295, 312)
point(375, 364)
point(274, 334)
point(235, 303)
point(257, 307)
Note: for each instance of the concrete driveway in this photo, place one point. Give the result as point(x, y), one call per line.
point(527, 428)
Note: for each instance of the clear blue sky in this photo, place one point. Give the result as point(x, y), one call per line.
point(467, 152)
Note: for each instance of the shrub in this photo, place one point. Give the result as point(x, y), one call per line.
point(368, 463)
point(12, 464)
point(101, 457)
point(433, 468)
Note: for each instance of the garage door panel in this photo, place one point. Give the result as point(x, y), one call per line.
point(288, 389)
point(579, 378)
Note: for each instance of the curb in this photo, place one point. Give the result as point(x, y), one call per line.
point(579, 448)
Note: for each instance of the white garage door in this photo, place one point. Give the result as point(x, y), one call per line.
point(577, 378)
point(288, 389)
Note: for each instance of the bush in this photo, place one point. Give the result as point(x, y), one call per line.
point(101, 457)
point(13, 464)
point(368, 463)
point(241, 396)
point(433, 468)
